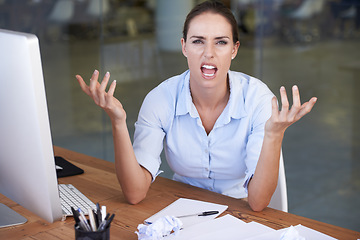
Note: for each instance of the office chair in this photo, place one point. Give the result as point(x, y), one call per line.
point(279, 199)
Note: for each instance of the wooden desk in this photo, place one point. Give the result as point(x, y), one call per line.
point(100, 184)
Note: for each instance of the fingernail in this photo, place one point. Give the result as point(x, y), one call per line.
point(114, 81)
point(282, 88)
point(295, 87)
point(107, 74)
point(95, 71)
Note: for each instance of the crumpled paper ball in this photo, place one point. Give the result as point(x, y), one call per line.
point(158, 229)
point(291, 234)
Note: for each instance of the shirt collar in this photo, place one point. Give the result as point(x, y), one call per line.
point(234, 109)
point(236, 102)
point(184, 104)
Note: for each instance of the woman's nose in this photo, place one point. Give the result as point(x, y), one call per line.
point(209, 51)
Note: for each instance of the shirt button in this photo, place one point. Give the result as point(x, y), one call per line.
point(206, 151)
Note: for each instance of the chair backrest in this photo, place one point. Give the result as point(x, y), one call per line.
point(279, 199)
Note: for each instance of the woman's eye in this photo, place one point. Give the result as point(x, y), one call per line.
point(198, 41)
point(222, 42)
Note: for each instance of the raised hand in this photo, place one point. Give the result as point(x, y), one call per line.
point(281, 120)
point(106, 100)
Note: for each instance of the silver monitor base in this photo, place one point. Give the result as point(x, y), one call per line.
point(9, 217)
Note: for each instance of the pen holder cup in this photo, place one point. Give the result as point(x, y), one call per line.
point(86, 235)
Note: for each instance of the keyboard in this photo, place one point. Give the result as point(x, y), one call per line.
point(72, 197)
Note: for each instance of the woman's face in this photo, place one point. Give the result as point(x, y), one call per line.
point(209, 49)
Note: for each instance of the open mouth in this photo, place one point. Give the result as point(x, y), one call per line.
point(208, 70)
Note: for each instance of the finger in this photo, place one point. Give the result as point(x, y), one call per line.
point(94, 81)
point(110, 93)
point(296, 107)
point(94, 84)
point(111, 89)
point(104, 81)
point(101, 90)
point(284, 103)
point(275, 109)
point(296, 96)
point(306, 108)
point(82, 84)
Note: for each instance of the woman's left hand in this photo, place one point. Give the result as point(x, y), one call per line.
point(281, 120)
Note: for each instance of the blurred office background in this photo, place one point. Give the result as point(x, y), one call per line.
point(312, 43)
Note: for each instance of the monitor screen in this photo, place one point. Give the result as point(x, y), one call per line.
point(27, 166)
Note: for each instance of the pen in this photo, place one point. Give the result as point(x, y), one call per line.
point(83, 222)
point(96, 218)
point(76, 215)
point(206, 213)
point(106, 217)
point(103, 213)
point(109, 221)
point(92, 220)
point(98, 215)
point(106, 223)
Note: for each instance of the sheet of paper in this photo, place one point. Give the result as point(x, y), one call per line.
point(184, 206)
point(307, 233)
point(226, 227)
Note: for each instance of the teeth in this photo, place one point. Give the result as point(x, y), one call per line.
point(208, 67)
point(209, 75)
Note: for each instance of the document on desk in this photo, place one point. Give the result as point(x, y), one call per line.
point(226, 227)
point(230, 227)
point(184, 206)
point(305, 232)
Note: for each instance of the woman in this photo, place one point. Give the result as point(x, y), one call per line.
point(221, 130)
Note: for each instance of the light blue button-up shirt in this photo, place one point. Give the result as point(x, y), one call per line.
point(223, 160)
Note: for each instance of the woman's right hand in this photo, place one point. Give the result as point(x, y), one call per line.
point(106, 100)
point(134, 179)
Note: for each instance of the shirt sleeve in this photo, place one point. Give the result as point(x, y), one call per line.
point(149, 132)
point(261, 112)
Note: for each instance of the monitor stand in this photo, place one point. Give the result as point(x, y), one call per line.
point(9, 217)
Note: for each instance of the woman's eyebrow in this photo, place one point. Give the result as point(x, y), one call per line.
point(216, 38)
point(198, 37)
point(222, 37)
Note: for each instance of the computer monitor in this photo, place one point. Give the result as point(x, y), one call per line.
point(27, 166)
